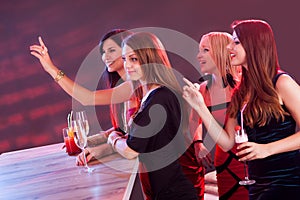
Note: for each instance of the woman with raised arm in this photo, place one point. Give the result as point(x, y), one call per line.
point(114, 75)
point(270, 117)
point(83, 95)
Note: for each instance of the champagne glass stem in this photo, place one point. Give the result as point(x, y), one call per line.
point(246, 170)
point(84, 158)
point(89, 170)
point(246, 180)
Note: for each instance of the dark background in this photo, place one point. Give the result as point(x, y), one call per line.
point(33, 108)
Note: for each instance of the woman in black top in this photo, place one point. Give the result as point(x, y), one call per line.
point(156, 133)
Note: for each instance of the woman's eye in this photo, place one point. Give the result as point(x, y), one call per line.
point(236, 42)
point(205, 50)
point(134, 59)
point(112, 50)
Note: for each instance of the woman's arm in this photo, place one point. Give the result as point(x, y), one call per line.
point(202, 154)
point(84, 96)
point(289, 94)
point(119, 144)
point(224, 138)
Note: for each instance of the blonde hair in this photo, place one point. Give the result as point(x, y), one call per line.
point(218, 42)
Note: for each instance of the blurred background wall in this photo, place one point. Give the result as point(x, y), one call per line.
point(33, 108)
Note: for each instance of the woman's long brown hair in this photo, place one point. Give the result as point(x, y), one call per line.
point(156, 66)
point(257, 88)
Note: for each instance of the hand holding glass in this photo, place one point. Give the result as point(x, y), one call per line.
point(241, 137)
point(82, 127)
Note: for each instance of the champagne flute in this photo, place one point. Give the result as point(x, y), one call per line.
point(80, 137)
point(241, 137)
point(82, 116)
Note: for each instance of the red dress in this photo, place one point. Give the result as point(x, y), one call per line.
point(193, 170)
point(229, 170)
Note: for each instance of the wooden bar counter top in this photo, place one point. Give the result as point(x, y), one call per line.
point(48, 172)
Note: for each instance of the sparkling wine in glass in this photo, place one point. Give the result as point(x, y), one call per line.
point(82, 127)
point(81, 115)
point(241, 137)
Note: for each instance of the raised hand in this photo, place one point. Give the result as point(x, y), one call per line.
point(192, 95)
point(41, 52)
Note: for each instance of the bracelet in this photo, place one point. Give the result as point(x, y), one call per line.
point(114, 142)
point(197, 141)
point(60, 75)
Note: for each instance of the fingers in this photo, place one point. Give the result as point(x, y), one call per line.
point(189, 83)
point(80, 157)
point(39, 49)
point(242, 154)
point(187, 92)
point(44, 48)
point(89, 158)
point(113, 136)
point(79, 160)
point(36, 48)
point(197, 86)
point(207, 163)
point(243, 145)
point(248, 157)
point(246, 151)
point(41, 41)
point(37, 55)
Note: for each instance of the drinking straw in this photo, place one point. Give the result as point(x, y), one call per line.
point(242, 119)
point(68, 120)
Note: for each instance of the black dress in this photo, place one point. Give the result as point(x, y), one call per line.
point(156, 135)
point(277, 176)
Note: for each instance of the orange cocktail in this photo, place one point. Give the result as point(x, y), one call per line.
point(71, 147)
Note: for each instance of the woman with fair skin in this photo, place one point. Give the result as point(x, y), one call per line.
point(83, 95)
point(114, 74)
point(272, 100)
point(118, 94)
point(214, 60)
point(156, 132)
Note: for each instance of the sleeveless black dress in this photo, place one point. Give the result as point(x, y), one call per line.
point(277, 176)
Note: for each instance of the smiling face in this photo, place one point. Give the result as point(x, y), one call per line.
point(111, 56)
point(207, 64)
point(237, 52)
point(131, 64)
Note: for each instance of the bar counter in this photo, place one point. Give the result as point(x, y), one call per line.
point(48, 172)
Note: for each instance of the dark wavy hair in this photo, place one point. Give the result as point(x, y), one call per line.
point(113, 79)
